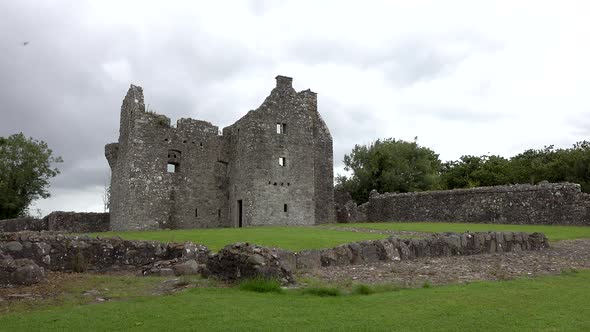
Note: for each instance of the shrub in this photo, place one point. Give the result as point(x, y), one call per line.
point(261, 285)
point(79, 263)
point(426, 284)
point(323, 291)
point(363, 290)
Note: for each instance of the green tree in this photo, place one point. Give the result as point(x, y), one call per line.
point(25, 171)
point(389, 165)
point(474, 171)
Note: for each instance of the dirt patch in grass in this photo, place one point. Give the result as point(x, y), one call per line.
point(562, 256)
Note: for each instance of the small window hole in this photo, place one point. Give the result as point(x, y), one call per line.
point(285, 208)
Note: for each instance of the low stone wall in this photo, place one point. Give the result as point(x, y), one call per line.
point(78, 222)
point(346, 209)
point(60, 252)
point(437, 245)
point(549, 203)
point(23, 224)
point(60, 221)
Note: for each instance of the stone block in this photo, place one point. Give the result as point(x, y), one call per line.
point(309, 259)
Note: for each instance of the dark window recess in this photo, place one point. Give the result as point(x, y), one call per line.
point(281, 128)
point(282, 161)
point(196, 213)
point(218, 213)
point(285, 208)
point(288, 183)
point(173, 161)
point(275, 184)
point(240, 213)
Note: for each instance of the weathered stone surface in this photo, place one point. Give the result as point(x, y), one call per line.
point(308, 259)
point(17, 272)
point(190, 267)
point(546, 203)
point(220, 177)
point(60, 252)
point(243, 260)
point(68, 222)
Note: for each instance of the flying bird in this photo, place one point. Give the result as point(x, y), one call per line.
point(26, 43)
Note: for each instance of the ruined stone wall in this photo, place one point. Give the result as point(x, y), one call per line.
point(323, 162)
point(164, 176)
point(561, 203)
point(59, 221)
point(77, 222)
point(60, 252)
point(277, 160)
point(23, 224)
point(272, 194)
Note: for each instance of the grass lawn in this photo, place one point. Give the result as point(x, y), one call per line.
point(557, 303)
point(554, 233)
point(291, 238)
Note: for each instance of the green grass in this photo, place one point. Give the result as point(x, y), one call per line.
point(290, 238)
point(554, 233)
point(557, 303)
point(261, 285)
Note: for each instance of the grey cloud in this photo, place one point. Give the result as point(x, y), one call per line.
point(55, 88)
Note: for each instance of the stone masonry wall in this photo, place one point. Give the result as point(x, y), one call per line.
point(60, 252)
point(216, 172)
point(548, 203)
point(59, 221)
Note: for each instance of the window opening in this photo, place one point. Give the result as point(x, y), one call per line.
point(284, 207)
point(281, 128)
point(172, 168)
point(196, 213)
point(173, 161)
point(282, 161)
point(218, 213)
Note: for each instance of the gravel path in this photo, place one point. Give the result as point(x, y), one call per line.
point(563, 255)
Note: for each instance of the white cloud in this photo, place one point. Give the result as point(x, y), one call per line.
point(466, 77)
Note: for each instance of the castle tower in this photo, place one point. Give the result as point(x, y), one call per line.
point(272, 167)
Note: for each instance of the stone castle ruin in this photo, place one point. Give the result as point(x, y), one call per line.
point(274, 166)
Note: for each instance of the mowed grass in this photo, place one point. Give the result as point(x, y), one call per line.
point(290, 238)
point(554, 233)
point(557, 303)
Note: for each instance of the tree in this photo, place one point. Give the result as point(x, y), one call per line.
point(25, 171)
point(474, 171)
point(389, 165)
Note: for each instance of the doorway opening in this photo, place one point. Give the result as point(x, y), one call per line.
point(240, 213)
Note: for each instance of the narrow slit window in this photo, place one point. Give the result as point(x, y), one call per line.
point(282, 161)
point(218, 213)
point(285, 209)
point(281, 128)
point(196, 213)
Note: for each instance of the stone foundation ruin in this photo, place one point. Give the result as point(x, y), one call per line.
point(28, 254)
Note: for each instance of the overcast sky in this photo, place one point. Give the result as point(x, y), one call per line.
point(465, 77)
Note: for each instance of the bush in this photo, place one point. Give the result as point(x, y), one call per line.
point(79, 263)
point(322, 291)
point(261, 285)
point(363, 290)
